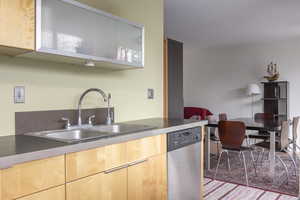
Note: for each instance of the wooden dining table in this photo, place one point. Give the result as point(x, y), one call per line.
point(270, 125)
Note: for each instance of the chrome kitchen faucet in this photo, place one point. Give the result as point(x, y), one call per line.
point(106, 99)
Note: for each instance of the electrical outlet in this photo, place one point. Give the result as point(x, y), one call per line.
point(150, 93)
point(19, 94)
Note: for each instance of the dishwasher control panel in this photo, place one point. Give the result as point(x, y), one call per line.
point(183, 138)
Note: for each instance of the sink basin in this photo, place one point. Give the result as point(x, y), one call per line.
point(120, 128)
point(87, 133)
point(70, 136)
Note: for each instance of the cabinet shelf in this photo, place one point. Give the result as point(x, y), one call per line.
point(273, 99)
point(71, 32)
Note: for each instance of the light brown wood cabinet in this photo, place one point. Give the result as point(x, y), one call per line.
point(57, 193)
point(85, 188)
point(126, 171)
point(86, 163)
point(131, 170)
point(148, 180)
point(145, 179)
point(17, 26)
point(110, 186)
point(0, 185)
point(115, 186)
point(146, 147)
point(27, 178)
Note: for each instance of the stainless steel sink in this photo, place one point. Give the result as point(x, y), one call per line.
point(120, 128)
point(70, 136)
point(87, 133)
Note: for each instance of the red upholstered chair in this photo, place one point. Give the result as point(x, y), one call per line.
point(202, 113)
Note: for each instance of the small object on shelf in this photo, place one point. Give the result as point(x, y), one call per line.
point(273, 72)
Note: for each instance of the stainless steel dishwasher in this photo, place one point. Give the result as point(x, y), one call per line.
point(184, 164)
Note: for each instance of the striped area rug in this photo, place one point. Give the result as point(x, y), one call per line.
point(218, 190)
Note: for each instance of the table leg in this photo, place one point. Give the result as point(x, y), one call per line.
point(294, 148)
point(207, 148)
point(272, 154)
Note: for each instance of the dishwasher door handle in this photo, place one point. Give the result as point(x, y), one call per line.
point(186, 133)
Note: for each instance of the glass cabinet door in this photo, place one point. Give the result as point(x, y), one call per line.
point(69, 28)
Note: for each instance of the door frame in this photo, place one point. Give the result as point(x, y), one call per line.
point(165, 80)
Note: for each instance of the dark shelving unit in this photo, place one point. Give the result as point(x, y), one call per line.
point(276, 98)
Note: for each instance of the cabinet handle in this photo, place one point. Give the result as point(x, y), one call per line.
point(115, 169)
point(138, 162)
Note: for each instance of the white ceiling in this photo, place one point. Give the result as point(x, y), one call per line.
point(210, 23)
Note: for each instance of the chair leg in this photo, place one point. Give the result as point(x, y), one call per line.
point(262, 156)
point(228, 161)
point(245, 167)
point(266, 152)
point(258, 157)
point(293, 161)
point(218, 150)
point(253, 161)
point(285, 167)
point(247, 140)
point(218, 164)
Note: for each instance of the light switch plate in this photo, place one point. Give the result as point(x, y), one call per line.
point(19, 94)
point(150, 93)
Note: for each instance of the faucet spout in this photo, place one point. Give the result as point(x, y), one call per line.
point(105, 98)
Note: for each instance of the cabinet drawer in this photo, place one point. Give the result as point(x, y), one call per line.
point(148, 180)
point(115, 185)
point(86, 163)
point(57, 193)
point(110, 186)
point(87, 188)
point(146, 147)
point(27, 178)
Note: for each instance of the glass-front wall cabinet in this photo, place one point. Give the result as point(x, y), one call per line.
point(69, 28)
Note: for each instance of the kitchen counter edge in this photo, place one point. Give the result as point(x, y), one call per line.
point(9, 161)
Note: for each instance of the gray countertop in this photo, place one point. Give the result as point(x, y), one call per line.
point(20, 148)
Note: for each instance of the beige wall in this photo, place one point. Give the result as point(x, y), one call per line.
point(216, 78)
point(52, 86)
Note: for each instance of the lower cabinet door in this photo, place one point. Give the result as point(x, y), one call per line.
point(115, 187)
point(147, 179)
point(86, 188)
point(32, 177)
point(57, 193)
point(111, 185)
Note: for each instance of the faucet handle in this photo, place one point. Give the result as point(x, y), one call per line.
point(67, 122)
point(90, 119)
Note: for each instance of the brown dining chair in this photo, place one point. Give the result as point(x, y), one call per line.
point(258, 116)
point(214, 131)
point(223, 117)
point(262, 135)
point(232, 135)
